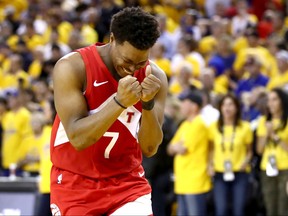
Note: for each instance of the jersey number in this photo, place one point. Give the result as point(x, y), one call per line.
point(114, 136)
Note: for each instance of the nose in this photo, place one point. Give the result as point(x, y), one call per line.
point(131, 68)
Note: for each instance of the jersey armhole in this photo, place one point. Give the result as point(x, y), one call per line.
point(87, 70)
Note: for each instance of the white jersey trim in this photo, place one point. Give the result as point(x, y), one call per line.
point(61, 136)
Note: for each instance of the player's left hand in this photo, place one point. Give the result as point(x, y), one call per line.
point(150, 85)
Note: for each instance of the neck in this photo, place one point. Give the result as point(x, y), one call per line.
point(228, 121)
point(277, 115)
point(192, 116)
point(104, 52)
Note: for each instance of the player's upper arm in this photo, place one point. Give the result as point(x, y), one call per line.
point(68, 81)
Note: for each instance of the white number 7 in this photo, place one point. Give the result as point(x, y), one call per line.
point(114, 136)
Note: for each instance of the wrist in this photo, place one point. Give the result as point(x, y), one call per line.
point(118, 102)
point(276, 139)
point(149, 105)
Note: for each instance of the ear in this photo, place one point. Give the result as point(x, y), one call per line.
point(111, 39)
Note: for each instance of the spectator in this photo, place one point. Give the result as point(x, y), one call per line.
point(279, 28)
point(55, 42)
point(209, 113)
point(15, 77)
point(242, 20)
point(3, 110)
point(184, 55)
point(88, 34)
point(272, 144)
point(157, 55)
point(280, 79)
point(230, 154)
point(43, 142)
point(184, 80)
point(16, 128)
point(166, 38)
point(190, 148)
point(36, 65)
point(255, 77)
point(207, 44)
point(160, 169)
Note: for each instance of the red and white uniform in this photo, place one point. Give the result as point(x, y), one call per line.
point(109, 172)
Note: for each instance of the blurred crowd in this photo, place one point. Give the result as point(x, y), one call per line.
point(227, 57)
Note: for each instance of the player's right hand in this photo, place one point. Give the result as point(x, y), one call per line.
point(129, 91)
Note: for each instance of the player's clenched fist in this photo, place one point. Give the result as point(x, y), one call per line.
point(150, 85)
point(129, 91)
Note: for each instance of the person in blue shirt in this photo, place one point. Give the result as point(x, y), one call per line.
point(255, 79)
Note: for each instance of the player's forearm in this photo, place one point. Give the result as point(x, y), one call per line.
point(88, 130)
point(150, 133)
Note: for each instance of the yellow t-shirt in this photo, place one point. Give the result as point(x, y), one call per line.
point(33, 146)
point(239, 141)
point(164, 64)
point(190, 169)
point(175, 87)
point(35, 69)
point(9, 80)
point(259, 52)
point(18, 5)
point(34, 41)
point(239, 44)
point(221, 84)
point(90, 36)
point(45, 162)
point(280, 154)
point(12, 41)
point(279, 80)
point(5, 63)
point(64, 30)
point(207, 45)
point(16, 128)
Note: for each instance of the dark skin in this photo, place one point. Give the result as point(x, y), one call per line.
point(122, 60)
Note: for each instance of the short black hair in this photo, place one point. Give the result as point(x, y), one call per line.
point(134, 25)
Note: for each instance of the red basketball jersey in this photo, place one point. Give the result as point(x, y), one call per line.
point(117, 151)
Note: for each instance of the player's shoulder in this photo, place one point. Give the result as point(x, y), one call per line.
point(72, 59)
point(71, 63)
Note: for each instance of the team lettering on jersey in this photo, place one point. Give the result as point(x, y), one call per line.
point(130, 116)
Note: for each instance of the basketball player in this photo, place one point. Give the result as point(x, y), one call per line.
point(110, 102)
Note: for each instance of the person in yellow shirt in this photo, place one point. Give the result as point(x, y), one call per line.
point(30, 149)
point(3, 110)
point(5, 61)
point(36, 159)
point(16, 128)
point(183, 80)
point(35, 68)
point(43, 207)
point(230, 153)
point(55, 23)
point(184, 54)
point(280, 79)
point(190, 148)
point(30, 37)
point(272, 144)
point(15, 77)
point(207, 44)
point(157, 55)
point(253, 49)
point(88, 34)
